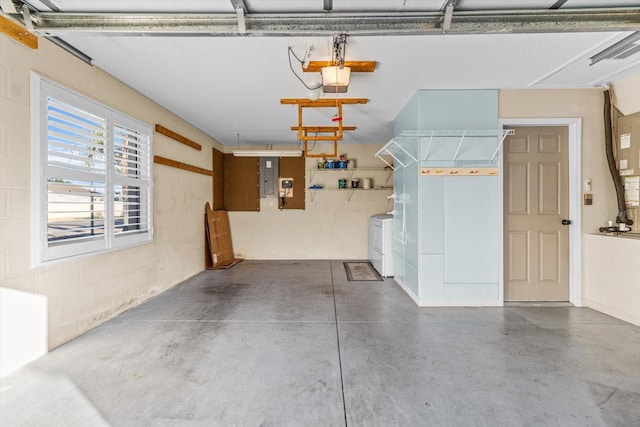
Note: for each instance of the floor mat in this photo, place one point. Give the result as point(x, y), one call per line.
point(361, 271)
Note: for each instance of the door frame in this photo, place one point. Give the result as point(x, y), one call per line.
point(574, 126)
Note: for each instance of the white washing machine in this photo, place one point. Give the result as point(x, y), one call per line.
point(380, 243)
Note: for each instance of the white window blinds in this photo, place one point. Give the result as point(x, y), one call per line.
point(131, 178)
point(94, 182)
point(76, 173)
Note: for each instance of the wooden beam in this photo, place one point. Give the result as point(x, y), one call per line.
point(180, 165)
point(323, 102)
point(323, 129)
point(171, 134)
point(308, 153)
point(18, 32)
point(303, 134)
point(356, 66)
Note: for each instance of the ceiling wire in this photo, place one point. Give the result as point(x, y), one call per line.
point(301, 61)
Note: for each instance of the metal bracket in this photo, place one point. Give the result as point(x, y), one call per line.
point(241, 8)
point(505, 133)
point(26, 15)
point(448, 17)
point(448, 8)
point(8, 7)
point(242, 25)
point(239, 4)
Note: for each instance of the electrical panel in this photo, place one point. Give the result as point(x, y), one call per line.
point(269, 171)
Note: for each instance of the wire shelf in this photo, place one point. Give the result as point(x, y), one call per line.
point(403, 157)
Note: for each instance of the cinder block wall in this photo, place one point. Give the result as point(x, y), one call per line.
point(81, 293)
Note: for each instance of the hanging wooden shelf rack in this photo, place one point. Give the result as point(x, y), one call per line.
point(321, 133)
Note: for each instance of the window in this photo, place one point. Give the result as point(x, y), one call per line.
point(92, 177)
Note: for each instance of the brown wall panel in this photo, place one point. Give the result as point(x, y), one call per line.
point(241, 183)
point(218, 179)
point(293, 167)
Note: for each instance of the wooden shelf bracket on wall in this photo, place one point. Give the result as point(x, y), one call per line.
point(179, 165)
point(321, 133)
point(177, 137)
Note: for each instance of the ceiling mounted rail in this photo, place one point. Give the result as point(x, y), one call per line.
point(320, 24)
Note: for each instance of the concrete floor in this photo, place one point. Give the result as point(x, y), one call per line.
point(294, 344)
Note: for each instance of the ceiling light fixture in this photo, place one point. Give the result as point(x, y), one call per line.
point(335, 78)
point(267, 153)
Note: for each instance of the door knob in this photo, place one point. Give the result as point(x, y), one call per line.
point(566, 222)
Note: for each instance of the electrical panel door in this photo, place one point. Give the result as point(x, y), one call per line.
point(269, 170)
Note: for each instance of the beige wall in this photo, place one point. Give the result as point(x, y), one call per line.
point(612, 279)
point(573, 103)
point(597, 255)
point(627, 94)
point(334, 224)
point(84, 292)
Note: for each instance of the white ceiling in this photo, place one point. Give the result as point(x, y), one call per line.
point(230, 86)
